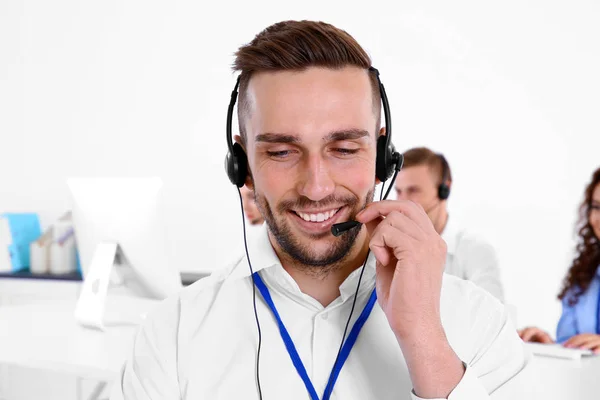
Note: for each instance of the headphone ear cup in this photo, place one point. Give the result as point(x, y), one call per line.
point(383, 164)
point(443, 191)
point(236, 165)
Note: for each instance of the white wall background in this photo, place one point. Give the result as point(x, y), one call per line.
point(509, 91)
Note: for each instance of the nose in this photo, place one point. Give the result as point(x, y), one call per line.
point(316, 182)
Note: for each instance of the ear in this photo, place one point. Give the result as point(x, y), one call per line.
point(382, 131)
point(238, 139)
point(249, 182)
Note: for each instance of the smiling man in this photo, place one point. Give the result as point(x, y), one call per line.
point(309, 112)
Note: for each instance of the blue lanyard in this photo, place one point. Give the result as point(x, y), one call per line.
point(289, 344)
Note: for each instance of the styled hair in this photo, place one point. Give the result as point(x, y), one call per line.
point(586, 261)
point(296, 46)
point(423, 156)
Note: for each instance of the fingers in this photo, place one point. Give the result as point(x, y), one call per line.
point(591, 344)
point(576, 341)
point(399, 221)
point(535, 335)
point(383, 208)
point(388, 243)
point(584, 341)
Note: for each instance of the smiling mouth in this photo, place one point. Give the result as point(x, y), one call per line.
point(322, 216)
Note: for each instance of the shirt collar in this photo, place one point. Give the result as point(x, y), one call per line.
point(263, 258)
point(450, 235)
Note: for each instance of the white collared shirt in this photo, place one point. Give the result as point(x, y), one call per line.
point(201, 344)
point(472, 258)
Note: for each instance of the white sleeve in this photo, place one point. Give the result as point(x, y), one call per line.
point(480, 265)
point(469, 388)
point(150, 372)
point(493, 354)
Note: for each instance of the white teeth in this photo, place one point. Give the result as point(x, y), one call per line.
point(320, 217)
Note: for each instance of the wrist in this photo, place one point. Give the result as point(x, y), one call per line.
point(434, 368)
point(430, 331)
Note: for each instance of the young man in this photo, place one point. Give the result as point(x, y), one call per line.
point(309, 112)
point(426, 179)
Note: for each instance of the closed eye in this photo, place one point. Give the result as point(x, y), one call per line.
point(279, 154)
point(346, 151)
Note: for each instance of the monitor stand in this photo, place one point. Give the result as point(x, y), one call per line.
point(110, 294)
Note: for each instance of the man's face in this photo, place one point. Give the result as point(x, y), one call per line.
point(594, 218)
point(311, 148)
point(250, 209)
point(418, 184)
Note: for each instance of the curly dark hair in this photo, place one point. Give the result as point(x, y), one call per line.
point(586, 262)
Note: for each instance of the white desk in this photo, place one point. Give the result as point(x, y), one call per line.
point(48, 337)
point(549, 378)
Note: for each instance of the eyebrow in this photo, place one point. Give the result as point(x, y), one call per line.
point(335, 136)
point(277, 138)
point(348, 134)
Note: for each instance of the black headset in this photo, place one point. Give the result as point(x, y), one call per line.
point(444, 189)
point(388, 159)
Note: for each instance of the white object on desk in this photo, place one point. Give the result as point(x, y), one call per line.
point(90, 306)
point(557, 350)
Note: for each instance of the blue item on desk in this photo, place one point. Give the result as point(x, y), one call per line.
point(24, 229)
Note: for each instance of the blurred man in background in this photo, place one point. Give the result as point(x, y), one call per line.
point(250, 209)
point(426, 179)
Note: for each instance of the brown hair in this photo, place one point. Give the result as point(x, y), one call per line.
point(586, 262)
point(424, 156)
point(297, 45)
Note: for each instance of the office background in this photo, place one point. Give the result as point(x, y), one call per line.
point(507, 90)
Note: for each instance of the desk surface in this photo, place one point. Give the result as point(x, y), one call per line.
point(48, 337)
point(187, 278)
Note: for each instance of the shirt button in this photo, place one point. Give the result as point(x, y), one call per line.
point(325, 316)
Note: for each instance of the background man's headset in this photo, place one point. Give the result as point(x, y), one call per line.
point(444, 189)
point(388, 163)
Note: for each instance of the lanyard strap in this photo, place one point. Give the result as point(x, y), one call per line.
point(291, 349)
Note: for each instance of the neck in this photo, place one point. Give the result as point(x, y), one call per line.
point(439, 216)
point(325, 287)
point(440, 219)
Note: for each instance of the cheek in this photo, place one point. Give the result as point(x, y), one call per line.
point(595, 219)
point(359, 179)
point(272, 183)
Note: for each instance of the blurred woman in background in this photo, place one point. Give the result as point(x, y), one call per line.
point(579, 324)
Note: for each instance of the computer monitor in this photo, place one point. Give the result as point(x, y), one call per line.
point(122, 242)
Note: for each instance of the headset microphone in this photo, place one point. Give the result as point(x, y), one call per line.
point(338, 229)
